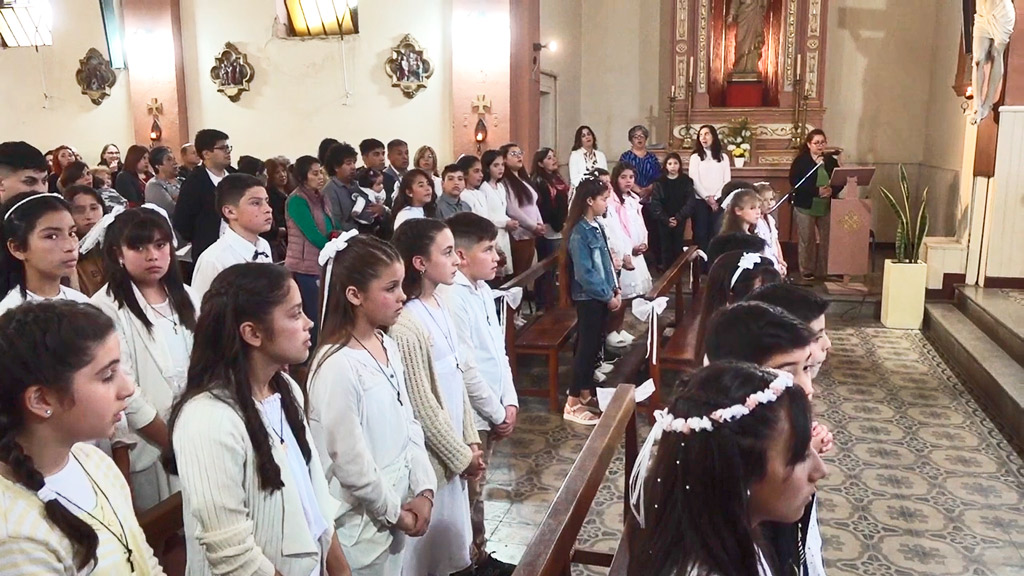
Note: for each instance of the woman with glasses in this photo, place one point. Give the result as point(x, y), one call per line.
point(809, 175)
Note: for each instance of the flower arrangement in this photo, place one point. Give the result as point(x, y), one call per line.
point(738, 137)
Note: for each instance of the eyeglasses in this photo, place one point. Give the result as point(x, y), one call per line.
point(226, 148)
point(516, 153)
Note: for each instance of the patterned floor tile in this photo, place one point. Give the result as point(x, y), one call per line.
point(920, 482)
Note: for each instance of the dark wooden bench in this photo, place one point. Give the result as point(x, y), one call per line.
point(547, 333)
point(679, 352)
point(553, 549)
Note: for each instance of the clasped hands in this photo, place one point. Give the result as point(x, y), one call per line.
point(821, 439)
point(415, 515)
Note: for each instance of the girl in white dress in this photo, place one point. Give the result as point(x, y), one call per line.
point(66, 507)
point(428, 342)
point(735, 446)
point(155, 315)
point(254, 493)
point(40, 246)
point(495, 196)
point(627, 234)
point(360, 412)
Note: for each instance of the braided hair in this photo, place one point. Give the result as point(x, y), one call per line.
point(45, 344)
point(220, 360)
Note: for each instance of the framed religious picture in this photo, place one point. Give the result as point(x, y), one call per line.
point(232, 72)
point(408, 67)
point(95, 76)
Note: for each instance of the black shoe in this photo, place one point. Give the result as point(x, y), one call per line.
point(494, 567)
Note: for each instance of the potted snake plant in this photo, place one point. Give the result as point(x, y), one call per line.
point(905, 277)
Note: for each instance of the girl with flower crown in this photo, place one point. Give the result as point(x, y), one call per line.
point(735, 446)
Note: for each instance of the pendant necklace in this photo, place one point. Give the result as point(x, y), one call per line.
point(445, 330)
point(392, 377)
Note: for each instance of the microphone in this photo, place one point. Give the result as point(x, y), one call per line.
point(793, 189)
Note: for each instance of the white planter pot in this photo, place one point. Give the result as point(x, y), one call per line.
point(739, 161)
point(903, 288)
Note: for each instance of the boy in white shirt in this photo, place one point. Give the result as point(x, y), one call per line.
point(245, 206)
point(486, 370)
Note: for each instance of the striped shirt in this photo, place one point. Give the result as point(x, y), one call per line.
point(646, 169)
point(30, 544)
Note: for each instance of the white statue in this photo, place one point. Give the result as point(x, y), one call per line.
point(993, 24)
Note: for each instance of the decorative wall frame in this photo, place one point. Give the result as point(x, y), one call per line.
point(232, 72)
point(95, 76)
point(408, 67)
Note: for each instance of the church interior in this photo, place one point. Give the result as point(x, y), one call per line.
point(923, 387)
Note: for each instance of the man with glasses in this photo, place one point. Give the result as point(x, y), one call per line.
point(196, 217)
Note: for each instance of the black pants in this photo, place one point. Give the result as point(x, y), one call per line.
point(706, 223)
point(592, 316)
point(547, 296)
point(671, 242)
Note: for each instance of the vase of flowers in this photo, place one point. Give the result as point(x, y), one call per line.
point(738, 137)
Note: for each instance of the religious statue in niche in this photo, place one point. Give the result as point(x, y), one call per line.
point(748, 15)
point(993, 24)
point(408, 67)
point(95, 76)
point(232, 72)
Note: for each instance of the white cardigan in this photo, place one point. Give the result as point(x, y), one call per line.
point(496, 202)
point(232, 526)
point(578, 165)
point(147, 360)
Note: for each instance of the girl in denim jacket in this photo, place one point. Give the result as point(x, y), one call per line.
point(595, 291)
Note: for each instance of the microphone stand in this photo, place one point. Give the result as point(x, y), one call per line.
point(793, 189)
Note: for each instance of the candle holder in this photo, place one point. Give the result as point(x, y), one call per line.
point(799, 100)
point(672, 120)
point(688, 129)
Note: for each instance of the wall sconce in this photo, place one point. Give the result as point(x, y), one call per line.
point(323, 17)
point(552, 45)
point(480, 105)
point(155, 109)
point(965, 106)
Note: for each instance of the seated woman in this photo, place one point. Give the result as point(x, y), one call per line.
point(734, 446)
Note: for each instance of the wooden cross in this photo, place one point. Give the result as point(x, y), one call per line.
point(481, 104)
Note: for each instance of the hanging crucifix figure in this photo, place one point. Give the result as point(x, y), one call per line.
point(748, 15)
point(993, 24)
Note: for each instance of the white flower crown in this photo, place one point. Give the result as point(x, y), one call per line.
point(664, 420)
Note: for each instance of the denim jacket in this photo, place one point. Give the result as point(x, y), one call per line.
point(593, 277)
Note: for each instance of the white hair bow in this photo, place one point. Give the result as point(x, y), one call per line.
point(327, 255)
point(512, 298)
point(648, 311)
point(747, 262)
point(162, 212)
point(95, 236)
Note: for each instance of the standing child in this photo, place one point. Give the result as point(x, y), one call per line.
point(243, 203)
point(631, 235)
point(495, 196)
point(254, 493)
point(87, 210)
point(360, 412)
point(473, 171)
point(154, 313)
point(742, 212)
point(487, 373)
point(426, 338)
point(594, 290)
point(40, 246)
point(672, 204)
point(766, 228)
point(415, 197)
point(67, 508)
point(453, 183)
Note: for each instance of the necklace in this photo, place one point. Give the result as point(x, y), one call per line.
point(445, 330)
point(392, 377)
point(123, 540)
point(174, 323)
point(280, 435)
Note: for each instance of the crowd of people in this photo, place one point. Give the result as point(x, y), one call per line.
point(173, 313)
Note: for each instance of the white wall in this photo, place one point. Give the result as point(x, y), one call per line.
point(298, 96)
point(563, 21)
point(39, 99)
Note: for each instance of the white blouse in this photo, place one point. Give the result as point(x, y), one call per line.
point(708, 175)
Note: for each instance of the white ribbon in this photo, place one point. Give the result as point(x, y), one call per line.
point(747, 262)
point(162, 212)
point(702, 255)
point(648, 311)
point(95, 236)
point(511, 298)
point(46, 494)
point(326, 257)
point(664, 420)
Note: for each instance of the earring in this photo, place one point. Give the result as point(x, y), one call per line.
point(121, 263)
point(49, 412)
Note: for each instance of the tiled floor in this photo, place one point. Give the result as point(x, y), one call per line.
point(920, 482)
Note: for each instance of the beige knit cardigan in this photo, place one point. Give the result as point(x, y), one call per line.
point(448, 449)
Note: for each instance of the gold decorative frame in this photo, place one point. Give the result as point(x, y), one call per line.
point(95, 76)
point(232, 72)
point(408, 67)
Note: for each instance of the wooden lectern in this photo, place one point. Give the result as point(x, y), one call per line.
point(850, 230)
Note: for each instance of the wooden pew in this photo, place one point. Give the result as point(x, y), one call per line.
point(553, 547)
point(547, 333)
point(679, 351)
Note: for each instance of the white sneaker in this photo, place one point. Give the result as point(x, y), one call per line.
point(614, 340)
point(626, 337)
point(606, 367)
point(599, 377)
